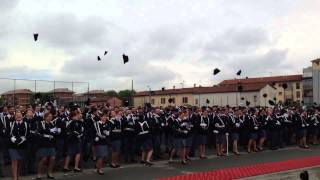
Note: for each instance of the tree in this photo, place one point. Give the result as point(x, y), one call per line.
point(127, 95)
point(1, 101)
point(111, 93)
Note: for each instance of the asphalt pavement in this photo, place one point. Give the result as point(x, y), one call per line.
point(163, 169)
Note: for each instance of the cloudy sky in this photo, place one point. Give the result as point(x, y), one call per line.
point(168, 42)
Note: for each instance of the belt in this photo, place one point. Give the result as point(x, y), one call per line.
point(117, 130)
point(48, 136)
point(143, 132)
point(129, 129)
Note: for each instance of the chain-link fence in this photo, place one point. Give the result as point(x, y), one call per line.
point(26, 91)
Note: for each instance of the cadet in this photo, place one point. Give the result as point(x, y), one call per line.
point(74, 130)
point(101, 140)
point(17, 133)
point(46, 153)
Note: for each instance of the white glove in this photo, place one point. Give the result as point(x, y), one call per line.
point(82, 129)
point(185, 132)
point(13, 139)
point(256, 128)
point(106, 132)
point(162, 124)
point(203, 125)
point(58, 130)
point(96, 139)
point(215, 132)
point(23, 138)
point(303, 125)
point(53, 130)
point(227, 134)
point(307, 125)
point(237, 125)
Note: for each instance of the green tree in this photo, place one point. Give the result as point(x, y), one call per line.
point(111, 93)
point(1, 101)
point(127, 95)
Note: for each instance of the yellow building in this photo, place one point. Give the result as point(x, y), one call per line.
point(228, 93)
point(161, 97)
point(293, 92)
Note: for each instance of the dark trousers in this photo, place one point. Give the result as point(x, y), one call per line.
point(156, 143)
point(281, 138)
point(30, 160)
point(194, 145)
point(274, 137)
point(129, 147)
point(60, 147)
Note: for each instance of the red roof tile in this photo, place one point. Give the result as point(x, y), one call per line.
point(265, 80)
point(203, 90)
point(18, 91)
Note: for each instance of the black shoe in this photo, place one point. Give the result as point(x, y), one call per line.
point(38, 178)
point(77, 170)
point(149, 164)
point(184, 162)
point(66, 170)
point(133, 161)
point(49, 177)
point(142, 162)
point(100, 172)
point(203, 157)
point(114, 166)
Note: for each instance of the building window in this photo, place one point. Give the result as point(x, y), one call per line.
point(297, 85)
point(280, 93)
point(185, 100)
point(163, 100)
point(298, 94)
point(152, 101)
point(197, 101)
point(255, 98)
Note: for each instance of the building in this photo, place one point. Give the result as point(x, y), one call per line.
point(97, 97)
point(235, 92)
point(307, 86)
point(62, 95)
point(209, 96)
point(161, 98)
point(292, 93)
point(17, 97)
point(315, 80)
point(231, 95)
point(114, 101)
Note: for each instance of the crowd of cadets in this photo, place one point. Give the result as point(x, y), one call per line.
point(35, 137)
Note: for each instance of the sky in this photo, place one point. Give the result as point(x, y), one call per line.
point(169, 43)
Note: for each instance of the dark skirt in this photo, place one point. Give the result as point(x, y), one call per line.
point(220, 138)
point(189, 140)
point(262, 133)
point(146, 144)
point(74, 149)
point(116, 146)
point(180, 143)
point(302, 133)
point(315, 131)
point(253, 136)
point(46, 152)
point(16, 154)
point(235, 136)
point(101, 150)
point(202, 139)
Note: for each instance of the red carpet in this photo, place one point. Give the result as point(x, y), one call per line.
point(251, 170)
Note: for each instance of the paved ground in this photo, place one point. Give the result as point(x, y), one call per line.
point(162, 169)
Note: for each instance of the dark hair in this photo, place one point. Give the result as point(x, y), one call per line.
point(46, 115)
